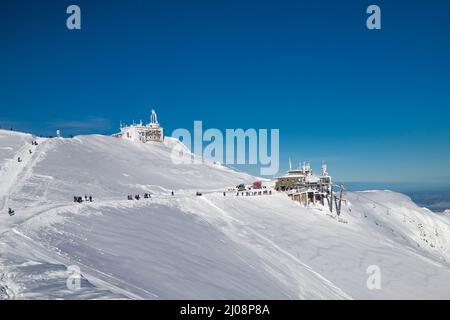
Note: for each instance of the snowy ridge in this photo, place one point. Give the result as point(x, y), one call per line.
point(184, 246)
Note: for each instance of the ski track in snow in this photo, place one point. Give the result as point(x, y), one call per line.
point(14, 172)
point(95, 276)
point(49, 254)
point(301, 282)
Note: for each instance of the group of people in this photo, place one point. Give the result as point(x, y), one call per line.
point(253, 193)
point(146, 196)
point(79, 199)
point(34, 143)
point(138, 197)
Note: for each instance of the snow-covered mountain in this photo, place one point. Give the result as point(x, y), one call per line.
point(185, 246)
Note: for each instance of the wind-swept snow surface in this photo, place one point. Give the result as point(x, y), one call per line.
point(207, 247)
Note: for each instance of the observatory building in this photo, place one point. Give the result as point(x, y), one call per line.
point(142, 133)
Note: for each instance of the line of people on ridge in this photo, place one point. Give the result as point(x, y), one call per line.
point(146, 196)
point(253, 193)
point(80, 199)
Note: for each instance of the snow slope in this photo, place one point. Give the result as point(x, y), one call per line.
point(184, 246)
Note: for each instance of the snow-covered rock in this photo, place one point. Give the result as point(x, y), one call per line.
point(185, 246)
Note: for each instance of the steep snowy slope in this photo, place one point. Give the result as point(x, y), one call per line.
point(12, 146)
point(107, 167)
point(212, 246)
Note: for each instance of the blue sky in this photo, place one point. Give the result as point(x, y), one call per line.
point(374, 104)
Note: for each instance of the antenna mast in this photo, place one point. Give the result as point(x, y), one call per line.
point(153, 117)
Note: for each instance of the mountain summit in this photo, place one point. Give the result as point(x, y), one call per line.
point(179, 245)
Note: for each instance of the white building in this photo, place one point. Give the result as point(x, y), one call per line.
point(142, 133)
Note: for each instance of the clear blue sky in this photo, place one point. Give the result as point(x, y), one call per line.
point(374, 104)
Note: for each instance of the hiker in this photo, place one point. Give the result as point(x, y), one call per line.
point(172, 193)
point(224, 194)
point(80, 199)
point(11, 212)
point(29, 150)
point(75, 199)
point(137, 197)
point(130, 197)
point(90, 198)
point(19, 160)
